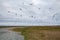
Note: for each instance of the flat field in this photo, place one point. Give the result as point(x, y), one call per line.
point(39, 32)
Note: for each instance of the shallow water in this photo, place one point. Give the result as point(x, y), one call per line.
point(6, 34)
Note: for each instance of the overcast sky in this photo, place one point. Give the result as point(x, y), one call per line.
point(29, 12)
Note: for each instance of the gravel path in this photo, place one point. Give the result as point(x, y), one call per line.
point(6, 34)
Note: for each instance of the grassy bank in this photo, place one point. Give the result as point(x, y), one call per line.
point(40, 32)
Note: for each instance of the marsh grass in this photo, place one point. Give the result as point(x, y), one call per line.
point(40, 32)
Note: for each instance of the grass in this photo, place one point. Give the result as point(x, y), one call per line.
point(40, 32)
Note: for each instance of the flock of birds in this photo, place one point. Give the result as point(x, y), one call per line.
point(22, 10)
point(32, 16)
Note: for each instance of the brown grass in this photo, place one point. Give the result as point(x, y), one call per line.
point(40, 33)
